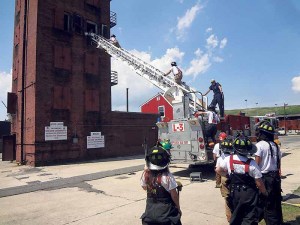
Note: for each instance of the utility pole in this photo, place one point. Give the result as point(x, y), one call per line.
point(127, 105)
point(284, 105)
point(256, 108)
point(246, 106)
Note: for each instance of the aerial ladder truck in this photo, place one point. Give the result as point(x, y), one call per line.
point(185, 131)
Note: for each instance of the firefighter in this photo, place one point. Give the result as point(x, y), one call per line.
point(211, 125)
point(268, 158)
point(244, 182)
point(114, 41)
point(176, 72)
point(216, 154)
point(226, 151)
point(162, 206)
point(218, 96)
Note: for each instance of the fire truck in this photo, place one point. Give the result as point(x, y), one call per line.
point(185, 131)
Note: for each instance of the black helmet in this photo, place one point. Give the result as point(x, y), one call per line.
point(173, 64)
point(243, 146)
point(211, 107)
point(113, 35)
point(157, 158)
point(267, 127)
point(226, 146)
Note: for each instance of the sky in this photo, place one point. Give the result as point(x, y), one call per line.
point(251, 48)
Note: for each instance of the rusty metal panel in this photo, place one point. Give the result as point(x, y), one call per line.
point(91, 63)
point(57, 56)
point(61, 97)
point(67, 58)
point(59, 18)
point(62, 57)
point(92, 100)
point(67, 101)
point(11, 103)
point(57, 97)
point(9, 148)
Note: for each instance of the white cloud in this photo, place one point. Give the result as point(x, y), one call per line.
point(208, 30)
point(5, 86)
point(212, 41)
point(140, 90)
point(200, 64)
point(223, 43)
point(217, 59)
point(296, 84)
point(186, 21)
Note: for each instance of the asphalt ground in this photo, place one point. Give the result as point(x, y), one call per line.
point(108, 191)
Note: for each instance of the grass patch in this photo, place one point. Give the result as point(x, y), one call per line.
point(291, 215)
point(297, 190)
point(261, 111)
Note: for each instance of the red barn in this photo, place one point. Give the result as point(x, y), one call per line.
point(160, 105)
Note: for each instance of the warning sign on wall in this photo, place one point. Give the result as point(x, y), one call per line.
point(96, 140)
point(56, 131)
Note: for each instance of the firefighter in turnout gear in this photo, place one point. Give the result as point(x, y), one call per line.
point(162, 206)
point(176, 72)
point(268, 157)
point(218, 96)
point(226, 150)
point(244, 182)
point(216, 154)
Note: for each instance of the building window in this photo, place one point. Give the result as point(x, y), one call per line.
point(67, 22)
point(77, 23)
point(161, 110)
point(91, 27)
point(104, 31)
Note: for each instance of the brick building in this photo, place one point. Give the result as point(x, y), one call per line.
point(60, 78)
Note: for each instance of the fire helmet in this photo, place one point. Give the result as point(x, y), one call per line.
point(166, 144)
point(157, 158)
point(173, 64)
point(266, 127)
point(226, 146)
point(243, 146)
point(222, 136)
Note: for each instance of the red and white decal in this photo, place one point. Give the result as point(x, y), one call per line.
point(178, 127)
point(181, 142)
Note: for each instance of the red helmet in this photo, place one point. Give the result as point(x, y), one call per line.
point(222, 136)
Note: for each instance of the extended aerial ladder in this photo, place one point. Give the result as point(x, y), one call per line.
point(147, 71)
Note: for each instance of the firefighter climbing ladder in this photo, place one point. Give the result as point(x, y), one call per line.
point(145, 70)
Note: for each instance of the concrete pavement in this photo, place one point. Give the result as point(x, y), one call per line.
point(108, 191)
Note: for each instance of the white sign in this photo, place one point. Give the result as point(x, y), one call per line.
point(56, 131)
point(178, 127)
point(96, 140)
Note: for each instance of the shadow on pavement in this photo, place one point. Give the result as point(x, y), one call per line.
point(207, 171)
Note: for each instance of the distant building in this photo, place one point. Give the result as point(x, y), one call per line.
point(61, 86)
point(158, 105)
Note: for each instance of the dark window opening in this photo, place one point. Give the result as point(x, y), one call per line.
point(67, 22)
point(105, 31)
point(77, 23)
point(161, 110)
point(91, 27)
